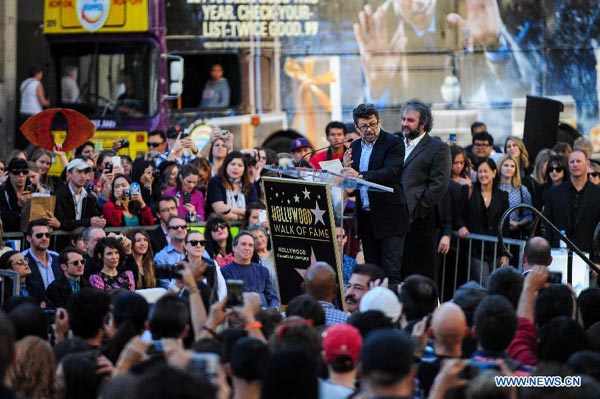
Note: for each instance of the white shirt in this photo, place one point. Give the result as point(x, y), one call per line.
point(409, 147)
point(30, 103)
point(78, 200)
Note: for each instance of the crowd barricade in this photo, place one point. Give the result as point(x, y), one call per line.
point(468, 258)
point(21, 244)
point(7, 284)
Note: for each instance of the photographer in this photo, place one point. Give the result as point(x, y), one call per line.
point(191, 200)
point(182, 148)
point(126, 208)
point(173, 252)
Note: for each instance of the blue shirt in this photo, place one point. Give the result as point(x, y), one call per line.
point(169, 255)
point(348, 263)
point(333, 315)
point(365, 157)
point(256, 279)
point(45, 270)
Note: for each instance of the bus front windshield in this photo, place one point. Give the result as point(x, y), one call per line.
point(108, 80)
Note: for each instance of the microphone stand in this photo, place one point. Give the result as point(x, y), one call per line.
point(324, 148)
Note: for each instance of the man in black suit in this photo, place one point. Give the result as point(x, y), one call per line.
point(425, 178)
point(382, 217)
point(74, 206)
point(573, 206)
point(71, 280)
point(15, 261)
point(159, 237)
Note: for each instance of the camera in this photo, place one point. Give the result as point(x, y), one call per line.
point(126, 194)
point(250, 160)
point(235, 293)
point(555, 278)
point(124, 143)
point(204, 366)
point(168, 272)
point(109, 167)
point(155, 348)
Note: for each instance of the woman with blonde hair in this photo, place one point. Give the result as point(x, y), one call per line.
point(33, 374)
point(510, 181)
point(515, 147)
point(537, 178)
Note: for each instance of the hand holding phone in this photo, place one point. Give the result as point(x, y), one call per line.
point(235, 293)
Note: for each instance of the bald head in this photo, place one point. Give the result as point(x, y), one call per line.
point(536, 252)
point(449, 325)
point(320, 281)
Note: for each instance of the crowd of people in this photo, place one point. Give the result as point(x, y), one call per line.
point(90, 315)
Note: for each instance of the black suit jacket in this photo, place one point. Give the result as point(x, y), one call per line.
point(482, 220)
point(10, 211)
point(157, 239)
point(60, 290)
point(35, 272)
point(388, 212)
point(557, 208)
point(425, 176)
point(65, 209)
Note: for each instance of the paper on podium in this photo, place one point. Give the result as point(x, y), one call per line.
point(335, 166)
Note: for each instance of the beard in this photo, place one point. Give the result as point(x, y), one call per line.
point(411, 134)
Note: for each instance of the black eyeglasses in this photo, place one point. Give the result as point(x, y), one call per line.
point(219, 226)
point(154, 145)
point(364, 128)
point(78, 262)
point(20, 171)
point(593, 174)
point(181, 227)
point(195, 243)
point(40, 235)
point(556, 169)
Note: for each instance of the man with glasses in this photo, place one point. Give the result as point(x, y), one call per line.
point(175, 251)
point(382, 217)
point(13, 195)
point(45, 266)
point(157, 147)
point(71, 280)
point(159, 237)
point(75, 207)
point(483, 147)
point(15, 261)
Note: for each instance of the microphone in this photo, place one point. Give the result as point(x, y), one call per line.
point(325, 148)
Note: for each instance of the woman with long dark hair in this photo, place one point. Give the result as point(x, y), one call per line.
point(126, 208)
point(143, 256)
point(230, 191)
point(191, 200)
point(486, 205)
point(218, 240)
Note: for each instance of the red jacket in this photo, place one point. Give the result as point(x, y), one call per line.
point(114, 215)
point(524, 345)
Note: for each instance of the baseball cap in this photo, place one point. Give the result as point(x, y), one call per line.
point(342, 340)
point(78, 164)
point(382, 299)
point(173, 131)
point(17, 164)
point(300, 143)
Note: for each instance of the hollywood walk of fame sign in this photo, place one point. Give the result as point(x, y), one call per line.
point(302, 231)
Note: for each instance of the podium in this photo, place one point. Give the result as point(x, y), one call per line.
point(300, 208)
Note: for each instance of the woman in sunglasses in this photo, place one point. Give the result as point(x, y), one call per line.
point(593, 173)
point(111, 255)
point(218, 240)
point(557, 172)
point(209, 279)
point(142, 253)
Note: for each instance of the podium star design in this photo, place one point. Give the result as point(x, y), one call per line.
point(318, 214)
point(296, 198)
point(306, 193)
